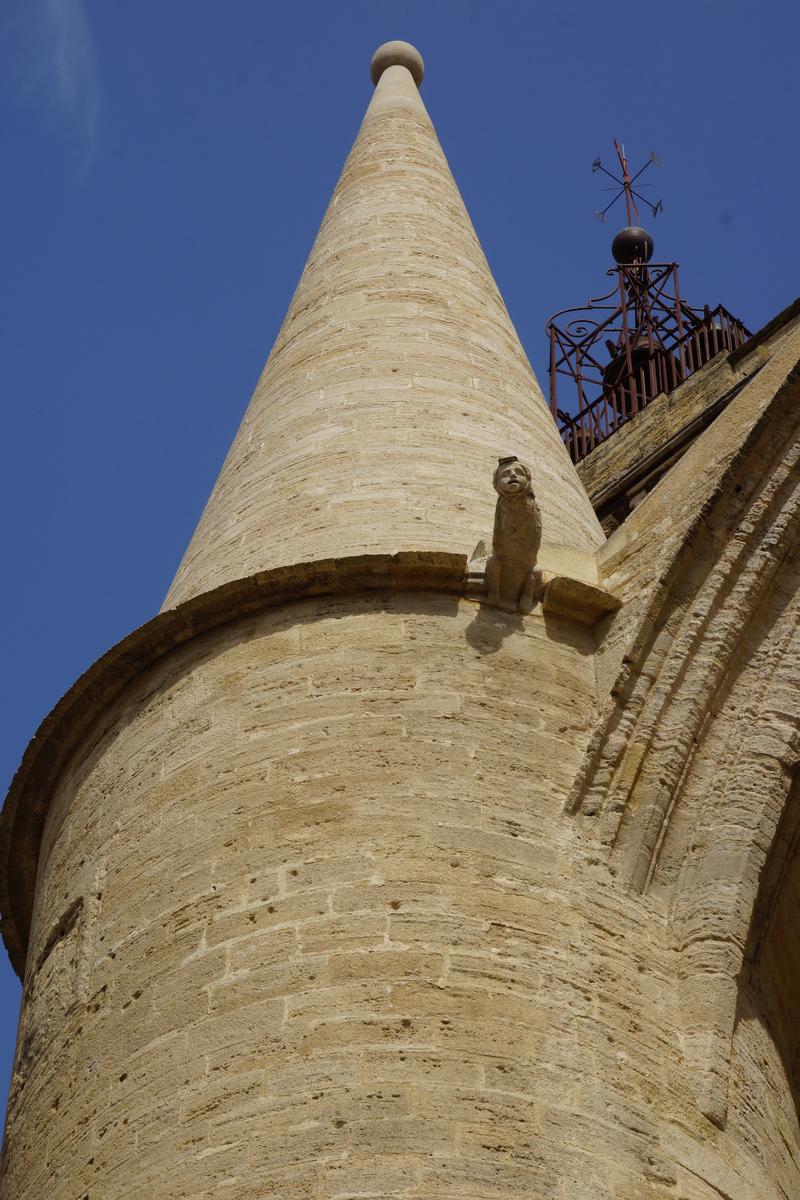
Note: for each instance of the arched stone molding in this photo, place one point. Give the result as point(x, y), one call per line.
point(770, 980)
point(692, 764)
point(687, 640)
point(733, 807)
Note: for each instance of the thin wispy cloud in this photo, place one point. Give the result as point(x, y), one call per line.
point(72, 70)
point(48, 61)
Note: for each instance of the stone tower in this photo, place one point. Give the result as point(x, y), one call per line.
point(340, 879)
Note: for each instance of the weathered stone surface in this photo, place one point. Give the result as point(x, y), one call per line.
point(65, 729)
point(395, 384)
point(325, 917)
point(315, 883)
point(578, 601)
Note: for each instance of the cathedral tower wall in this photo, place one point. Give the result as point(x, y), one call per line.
point(295, 908)
point(311, 921)
point(395, 384)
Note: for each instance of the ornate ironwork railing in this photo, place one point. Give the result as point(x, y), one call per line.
point(641, 378)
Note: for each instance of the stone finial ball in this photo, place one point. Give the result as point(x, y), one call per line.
point(397, 54)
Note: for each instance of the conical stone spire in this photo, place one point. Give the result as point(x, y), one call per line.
point(396, 382)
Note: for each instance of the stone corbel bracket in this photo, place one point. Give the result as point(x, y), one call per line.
point(574, 600)
point(563, 596)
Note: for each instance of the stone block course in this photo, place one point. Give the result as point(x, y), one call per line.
point(409, 969)
point(265, 932)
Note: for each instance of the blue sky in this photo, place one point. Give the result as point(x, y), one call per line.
point(166, 166)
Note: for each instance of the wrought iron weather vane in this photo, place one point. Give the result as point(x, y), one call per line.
point(625, 185)
point(640, 339)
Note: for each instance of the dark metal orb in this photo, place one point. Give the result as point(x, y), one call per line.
point(631, 245)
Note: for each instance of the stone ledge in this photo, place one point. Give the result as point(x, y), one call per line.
point(61, 732)
point(573, 600)
point(563, 596)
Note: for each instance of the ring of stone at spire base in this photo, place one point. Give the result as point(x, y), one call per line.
point(397, 54)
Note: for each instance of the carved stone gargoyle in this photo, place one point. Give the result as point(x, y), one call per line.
point(513, 581)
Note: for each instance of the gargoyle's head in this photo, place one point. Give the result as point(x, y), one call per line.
point(512, 478)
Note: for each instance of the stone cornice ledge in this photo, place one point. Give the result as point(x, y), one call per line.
point(61, 732)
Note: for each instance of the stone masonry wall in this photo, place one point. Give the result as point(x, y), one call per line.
point(311, 922)
point(667, 416)
point(395, 384)
point(654, 426)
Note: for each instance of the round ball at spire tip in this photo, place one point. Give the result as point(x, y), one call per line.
point(397, 54)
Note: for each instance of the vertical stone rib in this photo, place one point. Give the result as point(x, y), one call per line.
point(395, 383)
